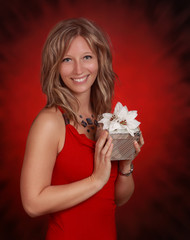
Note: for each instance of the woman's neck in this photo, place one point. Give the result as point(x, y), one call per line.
point(85, 107)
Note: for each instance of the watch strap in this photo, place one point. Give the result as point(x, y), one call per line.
point(126, 174)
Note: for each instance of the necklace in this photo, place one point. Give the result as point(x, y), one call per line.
point(89, 123)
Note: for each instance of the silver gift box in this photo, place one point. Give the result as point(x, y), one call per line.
point(123, 146)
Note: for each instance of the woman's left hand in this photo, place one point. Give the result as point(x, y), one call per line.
point(125, 164)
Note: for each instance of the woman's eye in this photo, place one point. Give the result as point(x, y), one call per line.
point(66, 60)
point(87, 57)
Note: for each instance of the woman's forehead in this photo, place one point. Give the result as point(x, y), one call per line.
point(79, 45)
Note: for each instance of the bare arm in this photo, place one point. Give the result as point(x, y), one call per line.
point(124, 186)
point(44, 142)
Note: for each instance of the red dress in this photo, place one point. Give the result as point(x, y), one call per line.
point(94, 218)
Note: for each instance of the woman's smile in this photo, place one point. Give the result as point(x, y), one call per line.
point(81, 79)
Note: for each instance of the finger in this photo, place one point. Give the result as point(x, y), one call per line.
point(107, 145)
point(137, 147)
point(109, 152)
point(99, 130)
point(141, 141)
point(102, 139)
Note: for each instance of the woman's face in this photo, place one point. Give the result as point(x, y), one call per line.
point(79, 66)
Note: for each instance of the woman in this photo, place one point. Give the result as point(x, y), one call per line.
point(66, 173)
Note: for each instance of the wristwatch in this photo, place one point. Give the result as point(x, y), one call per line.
point(126, 174)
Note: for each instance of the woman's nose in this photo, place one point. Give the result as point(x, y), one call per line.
point(78, 68)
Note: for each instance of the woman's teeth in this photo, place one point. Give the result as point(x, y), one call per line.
point(79, 79)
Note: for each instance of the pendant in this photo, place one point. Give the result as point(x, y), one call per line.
point(83, 123)
point(89, 121)
point(95, 122)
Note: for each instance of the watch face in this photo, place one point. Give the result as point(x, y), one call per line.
point(131, 168)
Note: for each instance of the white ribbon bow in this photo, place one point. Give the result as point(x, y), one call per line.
point(121, 119)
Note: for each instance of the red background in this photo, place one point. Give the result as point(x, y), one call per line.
point(151, 57)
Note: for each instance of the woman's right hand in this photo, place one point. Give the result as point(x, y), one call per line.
point(102, 159)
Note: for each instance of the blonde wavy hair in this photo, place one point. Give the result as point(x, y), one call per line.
point(56, 45)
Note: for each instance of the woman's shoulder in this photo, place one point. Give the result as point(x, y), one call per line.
point(50, 119)
point(48, 129)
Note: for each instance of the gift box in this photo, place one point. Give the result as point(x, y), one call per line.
point(123, 146)
point(124, 130)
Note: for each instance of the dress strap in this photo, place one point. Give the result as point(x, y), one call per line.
point(60, 109)
point(64, 115)
point(67, 121)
